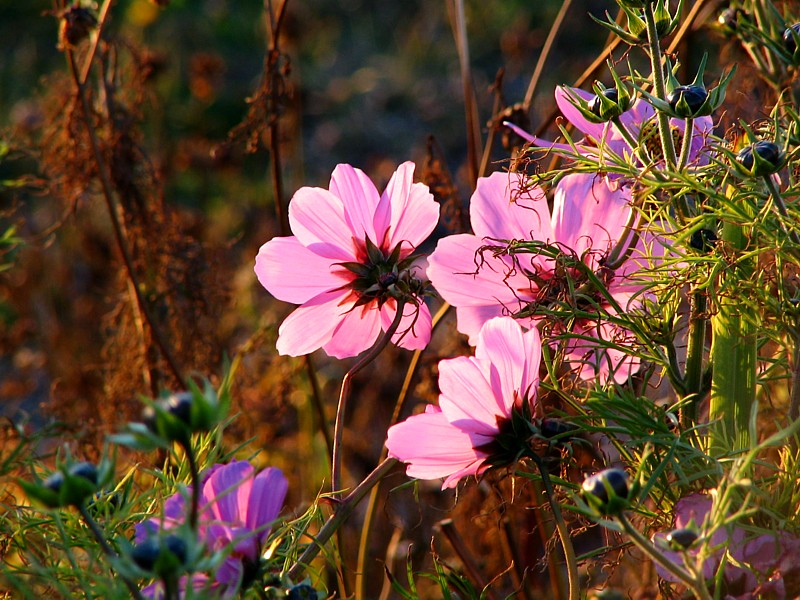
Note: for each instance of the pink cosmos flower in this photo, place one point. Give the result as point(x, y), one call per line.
point(589, 216)
point(478, 394)
point(348, 261)
point(639, 120)
point(237, 508)
point(758, 566)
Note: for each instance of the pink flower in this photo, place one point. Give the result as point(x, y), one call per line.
point(478, 395)
point(639, 120)
point(237, 509)
point(589, 216)
point(758, 565)
point(348, 262)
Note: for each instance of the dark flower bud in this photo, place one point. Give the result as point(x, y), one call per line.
point(688, 101)
point(681, 539)
point(551, 427)
point(54, 482)
point(703, 240)
point(761, 158)
point(789, 40)
point(85, 470)
point(608, 109)
point(607, 491)
point(76, 23)
point(160, 555)
point(177, 416)
point(302, 591)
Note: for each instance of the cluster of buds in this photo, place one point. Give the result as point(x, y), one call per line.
point(71, 484)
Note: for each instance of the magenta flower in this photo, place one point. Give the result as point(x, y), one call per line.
point(589, 216)
point(478, 394)
point(237, 509)
point(755, 566)
point(639, 120)
point(349, 261)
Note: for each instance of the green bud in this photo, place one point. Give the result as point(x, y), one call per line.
point(689, 101)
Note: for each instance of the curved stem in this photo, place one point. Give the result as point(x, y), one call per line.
point(548, 44)
point(338, 431)
point(658, 84)
point(372, 505)
point(641, 542)
point(561, 527)
point(107, 550)
point(340, 515)
point(698, 322)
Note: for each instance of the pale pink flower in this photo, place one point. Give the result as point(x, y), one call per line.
point(589, 217)
point(237, 509)
point(755, 566)
point(347, 262)
point(478, 394)
point(639, 120)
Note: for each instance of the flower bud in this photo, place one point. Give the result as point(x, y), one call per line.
point(65, 487)
point(607, 491)
point(703, 240)
point(789, 40)
point(762, 158)
point(177, 416)
point(681, 539)
point(161, 556)
point(605, 105)
point(689, 101)
point(302, 591)
point(551, 427)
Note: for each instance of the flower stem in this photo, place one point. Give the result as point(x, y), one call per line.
point(698, 587)
point(561, 526)
point(106, 548)
point(658, 84)
point(733, 356)
point(195, 473)
point(340, 514)
point(686, 144)
point(344, 393)
point(777, 199)
point(693, 381)
point(625, 133)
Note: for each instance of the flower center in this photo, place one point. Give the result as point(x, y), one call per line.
point(649, 138)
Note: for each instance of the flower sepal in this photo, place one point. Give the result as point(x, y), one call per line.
point(607, 104)
point(635, 34)
point(692, 100)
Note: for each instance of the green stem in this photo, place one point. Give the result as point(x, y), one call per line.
point(344, 393)
point(686, 144)
point(734, 357)
point(107, 550)
point(693, 380)
point(625, 133)
point(658, 85)
point(641, 542)
point(341, 513)
point(561, 527)
point(195, 473)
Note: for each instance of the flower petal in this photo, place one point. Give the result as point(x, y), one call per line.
point(359, 198)
point(589, 213)
point(433, 448)
point(312, 325)
point(505, 207)
point(220, 492)
point(468, 399)
point(414, 331)
point(414, 212)
point(276, 269)
point(317, 219)
point(357, 330)
point(265, 500)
